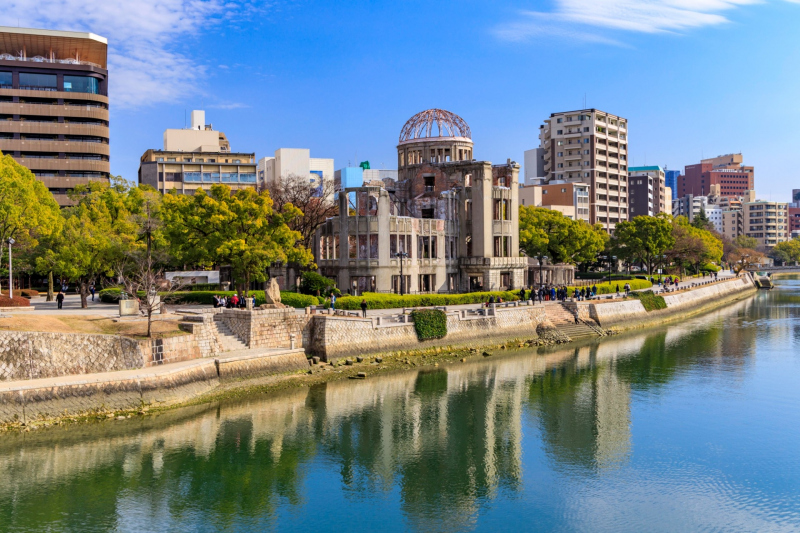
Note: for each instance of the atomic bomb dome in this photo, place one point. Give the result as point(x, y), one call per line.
point(435, 124)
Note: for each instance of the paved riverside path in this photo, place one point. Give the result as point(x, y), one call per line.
point(72, 303)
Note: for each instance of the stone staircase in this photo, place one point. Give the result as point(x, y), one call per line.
point(563, 319)
point(228, 341)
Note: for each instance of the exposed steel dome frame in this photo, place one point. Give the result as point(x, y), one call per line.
point(421, 126)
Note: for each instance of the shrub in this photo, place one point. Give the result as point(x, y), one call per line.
point(710, 267)
point(395, 301)
point(201, 287)
point(311, 282)
point(650, 301)
point(430, 324)
point(207, 298)
point(16, 301)
point(111, 295)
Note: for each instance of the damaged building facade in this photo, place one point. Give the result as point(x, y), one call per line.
point(448, 221)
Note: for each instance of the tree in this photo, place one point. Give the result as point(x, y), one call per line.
point(315, 203)
point(28, 212)
point(544, 232)
point(645, 238)
point(786, 252)
point(693, 245)
point(98, 231)
point(743, 241)
point(240, 229)
point(701, 221)
point(745, 258)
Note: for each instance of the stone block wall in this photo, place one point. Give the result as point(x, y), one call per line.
point(334, 337)
point(267, 328)
point(33, 355)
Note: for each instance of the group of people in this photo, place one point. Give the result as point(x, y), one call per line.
point(233, 302)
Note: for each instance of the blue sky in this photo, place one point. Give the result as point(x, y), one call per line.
point(694, 77)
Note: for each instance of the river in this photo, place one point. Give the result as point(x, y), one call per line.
point(692, 427)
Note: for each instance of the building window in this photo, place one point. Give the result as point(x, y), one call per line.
point(38, 82)
point(5, 79)
point(430, 183)
point(81, 84)
point(373, 246)
point(427, 213)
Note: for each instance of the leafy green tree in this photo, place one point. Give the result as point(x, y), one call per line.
point(693, 245)
point(545, 232)
point(701, 221)
point(315, 284)
point(98, 233)
point(240, 229)
point(645, 238)
point(743, 241)
point(786, 252)
point(28, 212)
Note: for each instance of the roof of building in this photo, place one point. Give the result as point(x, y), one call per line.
point(435, 123)
point(644, 169)
point(30, 44)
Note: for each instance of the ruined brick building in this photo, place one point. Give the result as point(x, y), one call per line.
point(454, 217)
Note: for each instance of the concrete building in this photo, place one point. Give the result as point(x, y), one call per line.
point(455, 217)
point(534, 166)
point(767, 222)
point(731, 223)
point(714, 215)
point(646, 191)
point(590, 146)
point(54, 106)
point(668, 200)
point(793, 214)
point(689, 206)
point(295, 163)
point(570, 199)
point(727, 171)
point(671, 180)
point(196, 158)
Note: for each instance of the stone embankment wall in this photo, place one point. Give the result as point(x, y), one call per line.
point(271, 328)
point(334, 336)
point(631, 313)
point(34, 355)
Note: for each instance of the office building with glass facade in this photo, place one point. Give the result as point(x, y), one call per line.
point(54, 106)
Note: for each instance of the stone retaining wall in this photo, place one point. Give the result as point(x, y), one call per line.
point(334, 337)
point(631, 313)
point(267, 328)
point(32, 355)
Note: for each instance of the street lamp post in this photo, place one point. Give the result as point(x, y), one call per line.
point(10, 274)
point(401, 256)
point(541, 278)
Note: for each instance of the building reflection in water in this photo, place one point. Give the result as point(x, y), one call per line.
point(450, 440)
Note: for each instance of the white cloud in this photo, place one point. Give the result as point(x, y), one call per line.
point(145, 64)
point(601, 20)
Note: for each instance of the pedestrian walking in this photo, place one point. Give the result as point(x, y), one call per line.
point(522, 294)
point(594, 290)
point(617, 289)
point(627, 289)
point(364, 308)
point(91, 289)
point(60, 298)
point(540, 293)
point(333, 301)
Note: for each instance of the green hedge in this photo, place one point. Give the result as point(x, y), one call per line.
point(710, 267)
point(650, 301)
point(292, 299)
point(395, 301)
point(599, 275)
point(202, 287)
point(430, 324)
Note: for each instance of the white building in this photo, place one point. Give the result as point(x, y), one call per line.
point(297, 163)
point(534, 166)
point(714, 214)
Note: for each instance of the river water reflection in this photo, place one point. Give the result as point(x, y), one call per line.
point(690, 428)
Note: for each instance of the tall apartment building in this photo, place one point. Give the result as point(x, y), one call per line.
point(590, 146)
point(727, 171)
point(646, 191)
point(794, 214)
point(569, 199)
point(54, 106)
point(671, 181)
point(196, 158)
point(295, 163)
point(767, 222)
